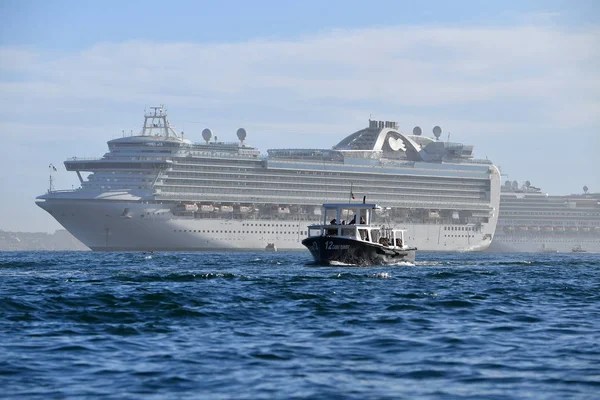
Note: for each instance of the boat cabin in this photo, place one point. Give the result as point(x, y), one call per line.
point(354, 221)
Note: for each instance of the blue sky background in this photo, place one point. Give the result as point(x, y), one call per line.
point(517, 79)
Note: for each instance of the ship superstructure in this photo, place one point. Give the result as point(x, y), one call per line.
point(533, 221)
point(159, 191)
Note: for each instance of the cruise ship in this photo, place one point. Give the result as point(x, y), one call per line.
point(159, 191)
point(533, 221)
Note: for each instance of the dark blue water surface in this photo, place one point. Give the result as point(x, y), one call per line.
point(271, 325)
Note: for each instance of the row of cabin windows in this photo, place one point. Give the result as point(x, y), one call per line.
point(178, 165)
point(412, 191)
point(467, 236)
point(341, 181)
point(274, 175)
point(259, 194)
point(529, 240)
point(282, 225)
point(461, 228)
point(580, 213)
point(551, 223)
point(218, 231)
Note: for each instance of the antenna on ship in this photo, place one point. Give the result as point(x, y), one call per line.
point(52, 168)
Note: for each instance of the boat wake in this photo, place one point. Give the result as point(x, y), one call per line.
point(342, 264)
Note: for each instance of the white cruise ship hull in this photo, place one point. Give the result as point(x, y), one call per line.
point(558, 243)
point(102, 226)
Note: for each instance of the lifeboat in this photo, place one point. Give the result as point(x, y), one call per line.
point(190, 207)
point(574, 229)
point(435, 215)
point(560, 229)
point(586, 229)
point(246, 209)
point(182, 207)
point(549, 229)
point(523, 228)
point(283, 210)
point(206, 208)
point(317, 211)
point(534, 228)
point(226, 209)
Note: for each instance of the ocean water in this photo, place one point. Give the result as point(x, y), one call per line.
point(272, 325)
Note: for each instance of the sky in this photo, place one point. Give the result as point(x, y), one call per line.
point(518, 80)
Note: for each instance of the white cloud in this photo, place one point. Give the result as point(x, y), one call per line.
point(433, 65)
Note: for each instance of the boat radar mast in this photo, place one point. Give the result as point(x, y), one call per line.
point(156, 120)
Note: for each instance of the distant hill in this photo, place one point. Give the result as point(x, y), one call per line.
point(20, 241)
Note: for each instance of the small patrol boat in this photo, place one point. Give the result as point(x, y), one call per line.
point(270, 247)
point(356, 243)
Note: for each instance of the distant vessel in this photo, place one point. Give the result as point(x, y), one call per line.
point(532, 221)
point(270, 247)
point(159, 191)
point(545, 249)
point(578, 249)
point(358, 243)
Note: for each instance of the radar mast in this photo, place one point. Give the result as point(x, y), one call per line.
point(156, 123)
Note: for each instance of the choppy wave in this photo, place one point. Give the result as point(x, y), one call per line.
point(263, 325)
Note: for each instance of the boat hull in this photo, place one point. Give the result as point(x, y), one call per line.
point(101, 225)
point(328, 250)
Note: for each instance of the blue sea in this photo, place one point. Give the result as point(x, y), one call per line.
point(274, 326)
